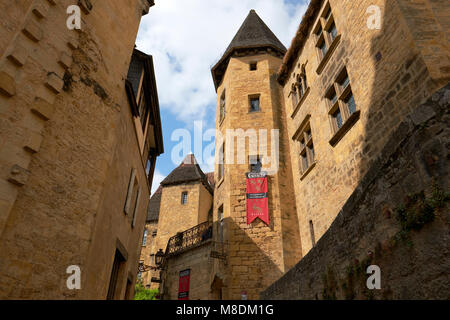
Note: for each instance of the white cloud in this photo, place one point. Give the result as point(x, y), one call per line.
point(157, 178)
point(187, 37)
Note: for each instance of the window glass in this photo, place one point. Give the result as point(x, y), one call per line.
point(254, 104)
point(323, 48)
point(305, 164)
point(338, 118)
point(351, 104)
point(184, 197)
point(333, 31)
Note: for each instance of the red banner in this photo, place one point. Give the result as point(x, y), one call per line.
point(183, 285)
point(257, 201)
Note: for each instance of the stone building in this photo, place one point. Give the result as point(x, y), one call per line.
point(148, 250)
point(248, 98)
point(179, 222)
point(346, 87)
point(79, 127)
point(334, 102)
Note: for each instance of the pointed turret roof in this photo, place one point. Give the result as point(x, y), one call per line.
point(187, 171)
point(253, 34)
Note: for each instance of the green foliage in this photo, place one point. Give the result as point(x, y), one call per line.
point(141, 293)
point(417, 211)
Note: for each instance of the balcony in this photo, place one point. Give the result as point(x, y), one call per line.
point(189, 239)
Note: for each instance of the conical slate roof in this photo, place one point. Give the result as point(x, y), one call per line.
point(253, 33)
point(187, 171)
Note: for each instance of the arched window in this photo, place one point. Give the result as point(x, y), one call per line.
point(294, 96)
point(300, 87)
point(303, 76)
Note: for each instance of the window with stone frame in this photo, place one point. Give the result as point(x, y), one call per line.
point(222, 106)
point(144, 239)
point(221, 170)
point(342, 109)
point(294, 96)
point(254, 101)
point(184, 197)
point(311, 232)
point(220, 224)
point(325, 34)
point(307, 152)
point(131, 193)
point(299, 90)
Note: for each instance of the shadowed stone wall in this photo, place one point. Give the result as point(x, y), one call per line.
point(397, 218)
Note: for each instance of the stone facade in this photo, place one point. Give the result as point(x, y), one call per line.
point(69, 146)
point(176, 217)
point(397, 218)
point(256, 253)
point(147, 256)
point(183, 201)
point(389, 71)
point(329, 185)
point(199, 262)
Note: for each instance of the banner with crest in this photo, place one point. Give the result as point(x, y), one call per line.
point(257, 201)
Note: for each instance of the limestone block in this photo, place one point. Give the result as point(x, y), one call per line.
point(40, 10)
point(33, 31)
point(18, 175)
point(19, 55)
point(7, 84)
point(54, 83)
point(42, 108)
point(65, 60)
point(33, 142)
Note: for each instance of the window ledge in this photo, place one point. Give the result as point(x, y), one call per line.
point(300, 103)
point(345, 128)
point(304, 174)
point(328, 54)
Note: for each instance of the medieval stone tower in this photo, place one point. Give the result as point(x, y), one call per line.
point(249, 103)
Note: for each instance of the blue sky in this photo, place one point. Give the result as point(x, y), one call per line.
point(185, 39)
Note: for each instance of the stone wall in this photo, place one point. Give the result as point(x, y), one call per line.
point(177, 217)
point(148, 255)
point(199, 262)
point(68, 147)
point(388, 76)
point(397, 218)
point(257, 253)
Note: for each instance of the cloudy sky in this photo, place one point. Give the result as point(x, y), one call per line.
point(186, 38)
